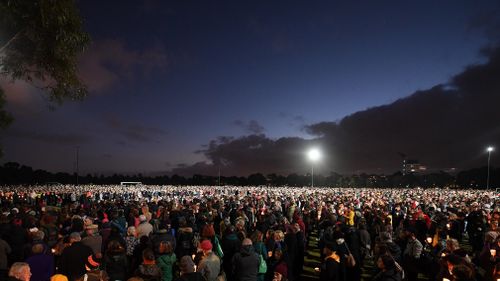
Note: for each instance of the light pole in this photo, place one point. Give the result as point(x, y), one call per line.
point(314, 155)
point(489, 149)
point(77, 159)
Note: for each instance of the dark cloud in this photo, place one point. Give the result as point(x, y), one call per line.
point(133, 132)
point(489, 22)
point(49, 137)
point(109, 61)
point(252, 126)
point(446, 126)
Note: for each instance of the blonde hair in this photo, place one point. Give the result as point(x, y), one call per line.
point(279, 235)
point(131, 231)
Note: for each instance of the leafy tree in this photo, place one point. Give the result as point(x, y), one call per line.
point(40, 41)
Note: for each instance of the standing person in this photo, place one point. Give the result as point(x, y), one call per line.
point(330, 267)
point(411, 256)
point(166, 261)
point(476, 228)
point(209, 265)
point(4, 251)
point(230, 246)
point(17, 237)
point(388, 269)
point(73, 257)
point(188, 272)
point(41, 264)
point(115, 261)
point(148, 270)
point(20, 271)
point(93, 239)
point(144, 228)
point(131, 241)
point(260, 249)
point(245, 262)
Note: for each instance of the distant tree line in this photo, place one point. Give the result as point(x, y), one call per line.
point(12, 173)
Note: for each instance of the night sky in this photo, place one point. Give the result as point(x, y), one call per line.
point(249, 86)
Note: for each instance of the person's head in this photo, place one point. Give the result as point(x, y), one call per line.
point(453, 260)
point(246, 242)
point(206, 246)
point(91, 229)
point(38, 235)
point(20, 271)
point(115, 248)
point(186, 264)
point(166, 247)
point(386, 262)
point(208, 231)
point(462, 272)
point(37, 249)
point(279, 236)
point(257, 236)
point(278, 254)
point(74, 237)
point(452, 244)
point(131, 231)
point(328, 249)
point(148, 255)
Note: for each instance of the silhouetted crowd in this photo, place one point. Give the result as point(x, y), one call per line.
point(165, 233)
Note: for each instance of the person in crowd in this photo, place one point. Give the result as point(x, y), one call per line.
point(19, 271)
point(331, 268)
point(411, 255)
point(93, 239)
point(230, 246)
point(261, 250)
point(388, 269)
point(149, 270)
point(144, 228)
point(166, 260)
point(41, 263)
point(188, 270)
point(210, 265)
point(74, 257)
point(131, 241)
point(115, 262)
point(5, 250)
point(245, 262)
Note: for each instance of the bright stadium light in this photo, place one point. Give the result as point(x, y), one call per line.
point(489, 149)
point(314, 155)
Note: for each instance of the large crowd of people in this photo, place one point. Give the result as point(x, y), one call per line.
point(165, 233)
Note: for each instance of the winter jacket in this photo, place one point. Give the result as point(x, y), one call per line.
point(245, 264)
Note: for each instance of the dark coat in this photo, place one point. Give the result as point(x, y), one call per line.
point(330, 271)
point(389, 275)
point(73, 258)
point(41, 266)
point(245, 264)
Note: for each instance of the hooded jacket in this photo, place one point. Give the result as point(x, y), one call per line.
point(245, 264)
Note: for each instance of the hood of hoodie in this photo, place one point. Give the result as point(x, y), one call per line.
point(247, 250)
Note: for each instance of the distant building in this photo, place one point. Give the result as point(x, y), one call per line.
point(413, 167)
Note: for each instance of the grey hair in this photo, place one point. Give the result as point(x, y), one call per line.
point(16, 269)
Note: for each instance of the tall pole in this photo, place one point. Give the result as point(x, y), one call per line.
point(488, 177)
point(312, 175)
point(77, 156)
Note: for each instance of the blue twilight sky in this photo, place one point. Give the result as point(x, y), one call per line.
point(168, 77)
